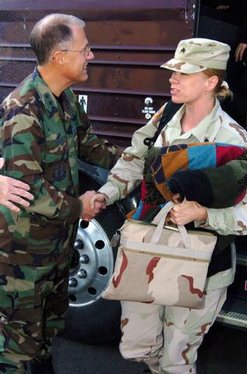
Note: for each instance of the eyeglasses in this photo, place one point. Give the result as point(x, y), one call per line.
point(85, 51)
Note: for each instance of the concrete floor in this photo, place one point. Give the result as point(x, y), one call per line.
point(224, 351)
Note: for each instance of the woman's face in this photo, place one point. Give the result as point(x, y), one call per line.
point(188, 88)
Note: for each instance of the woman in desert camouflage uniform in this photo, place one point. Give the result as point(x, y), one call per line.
point(167, 338)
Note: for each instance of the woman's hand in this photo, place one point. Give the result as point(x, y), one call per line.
point(92, 204)
point(188, 211)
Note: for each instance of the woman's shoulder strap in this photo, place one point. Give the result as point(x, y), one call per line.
point(169, 110)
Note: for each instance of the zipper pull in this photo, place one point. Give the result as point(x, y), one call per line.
point(115, 239)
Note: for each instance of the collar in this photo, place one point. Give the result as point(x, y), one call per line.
point(206, 129)
point(49, 99)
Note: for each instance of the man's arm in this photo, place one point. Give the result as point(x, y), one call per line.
point(24, 146)
point(92, 149)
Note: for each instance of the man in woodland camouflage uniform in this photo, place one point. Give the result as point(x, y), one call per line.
point(43, 131)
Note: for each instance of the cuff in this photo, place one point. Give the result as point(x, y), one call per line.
point(75, 210)
point(111, 192)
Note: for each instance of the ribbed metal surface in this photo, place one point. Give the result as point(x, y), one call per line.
point(130, 39)
point(233, 319)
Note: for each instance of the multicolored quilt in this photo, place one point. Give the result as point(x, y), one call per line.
point(213, 174)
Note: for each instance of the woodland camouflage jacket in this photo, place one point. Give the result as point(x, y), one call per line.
point(41, 140)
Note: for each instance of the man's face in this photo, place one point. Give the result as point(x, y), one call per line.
point(76, 57)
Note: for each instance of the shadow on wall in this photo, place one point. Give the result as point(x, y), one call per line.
point(226, 32)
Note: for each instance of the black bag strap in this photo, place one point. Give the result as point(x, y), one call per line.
point(169, 111)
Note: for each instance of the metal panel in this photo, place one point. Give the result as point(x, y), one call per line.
point(130, 39)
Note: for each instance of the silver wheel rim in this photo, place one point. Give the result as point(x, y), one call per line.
point(95, 266)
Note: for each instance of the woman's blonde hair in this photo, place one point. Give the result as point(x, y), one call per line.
point(222, 91)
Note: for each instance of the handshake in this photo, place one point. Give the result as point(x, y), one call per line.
point(92, 204)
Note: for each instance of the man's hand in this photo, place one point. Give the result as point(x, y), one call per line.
point(13, 191)
point(223, 7)
point(188, 211)
point(92, 204)
point(98, 201)
point(239, 51)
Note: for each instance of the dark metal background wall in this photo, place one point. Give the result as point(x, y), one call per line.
point(130, 39)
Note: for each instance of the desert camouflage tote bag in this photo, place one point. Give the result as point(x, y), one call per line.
point(161, 265)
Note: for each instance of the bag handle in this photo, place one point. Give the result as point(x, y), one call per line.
point(159, 220)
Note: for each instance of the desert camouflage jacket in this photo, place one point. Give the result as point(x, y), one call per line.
point(216, 127)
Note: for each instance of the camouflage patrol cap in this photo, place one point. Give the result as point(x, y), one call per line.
point(198, 54)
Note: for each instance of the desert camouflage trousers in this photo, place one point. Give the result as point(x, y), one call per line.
point(167, 338)
point(32, 309)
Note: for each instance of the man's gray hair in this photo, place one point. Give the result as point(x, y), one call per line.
point(50, 32)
